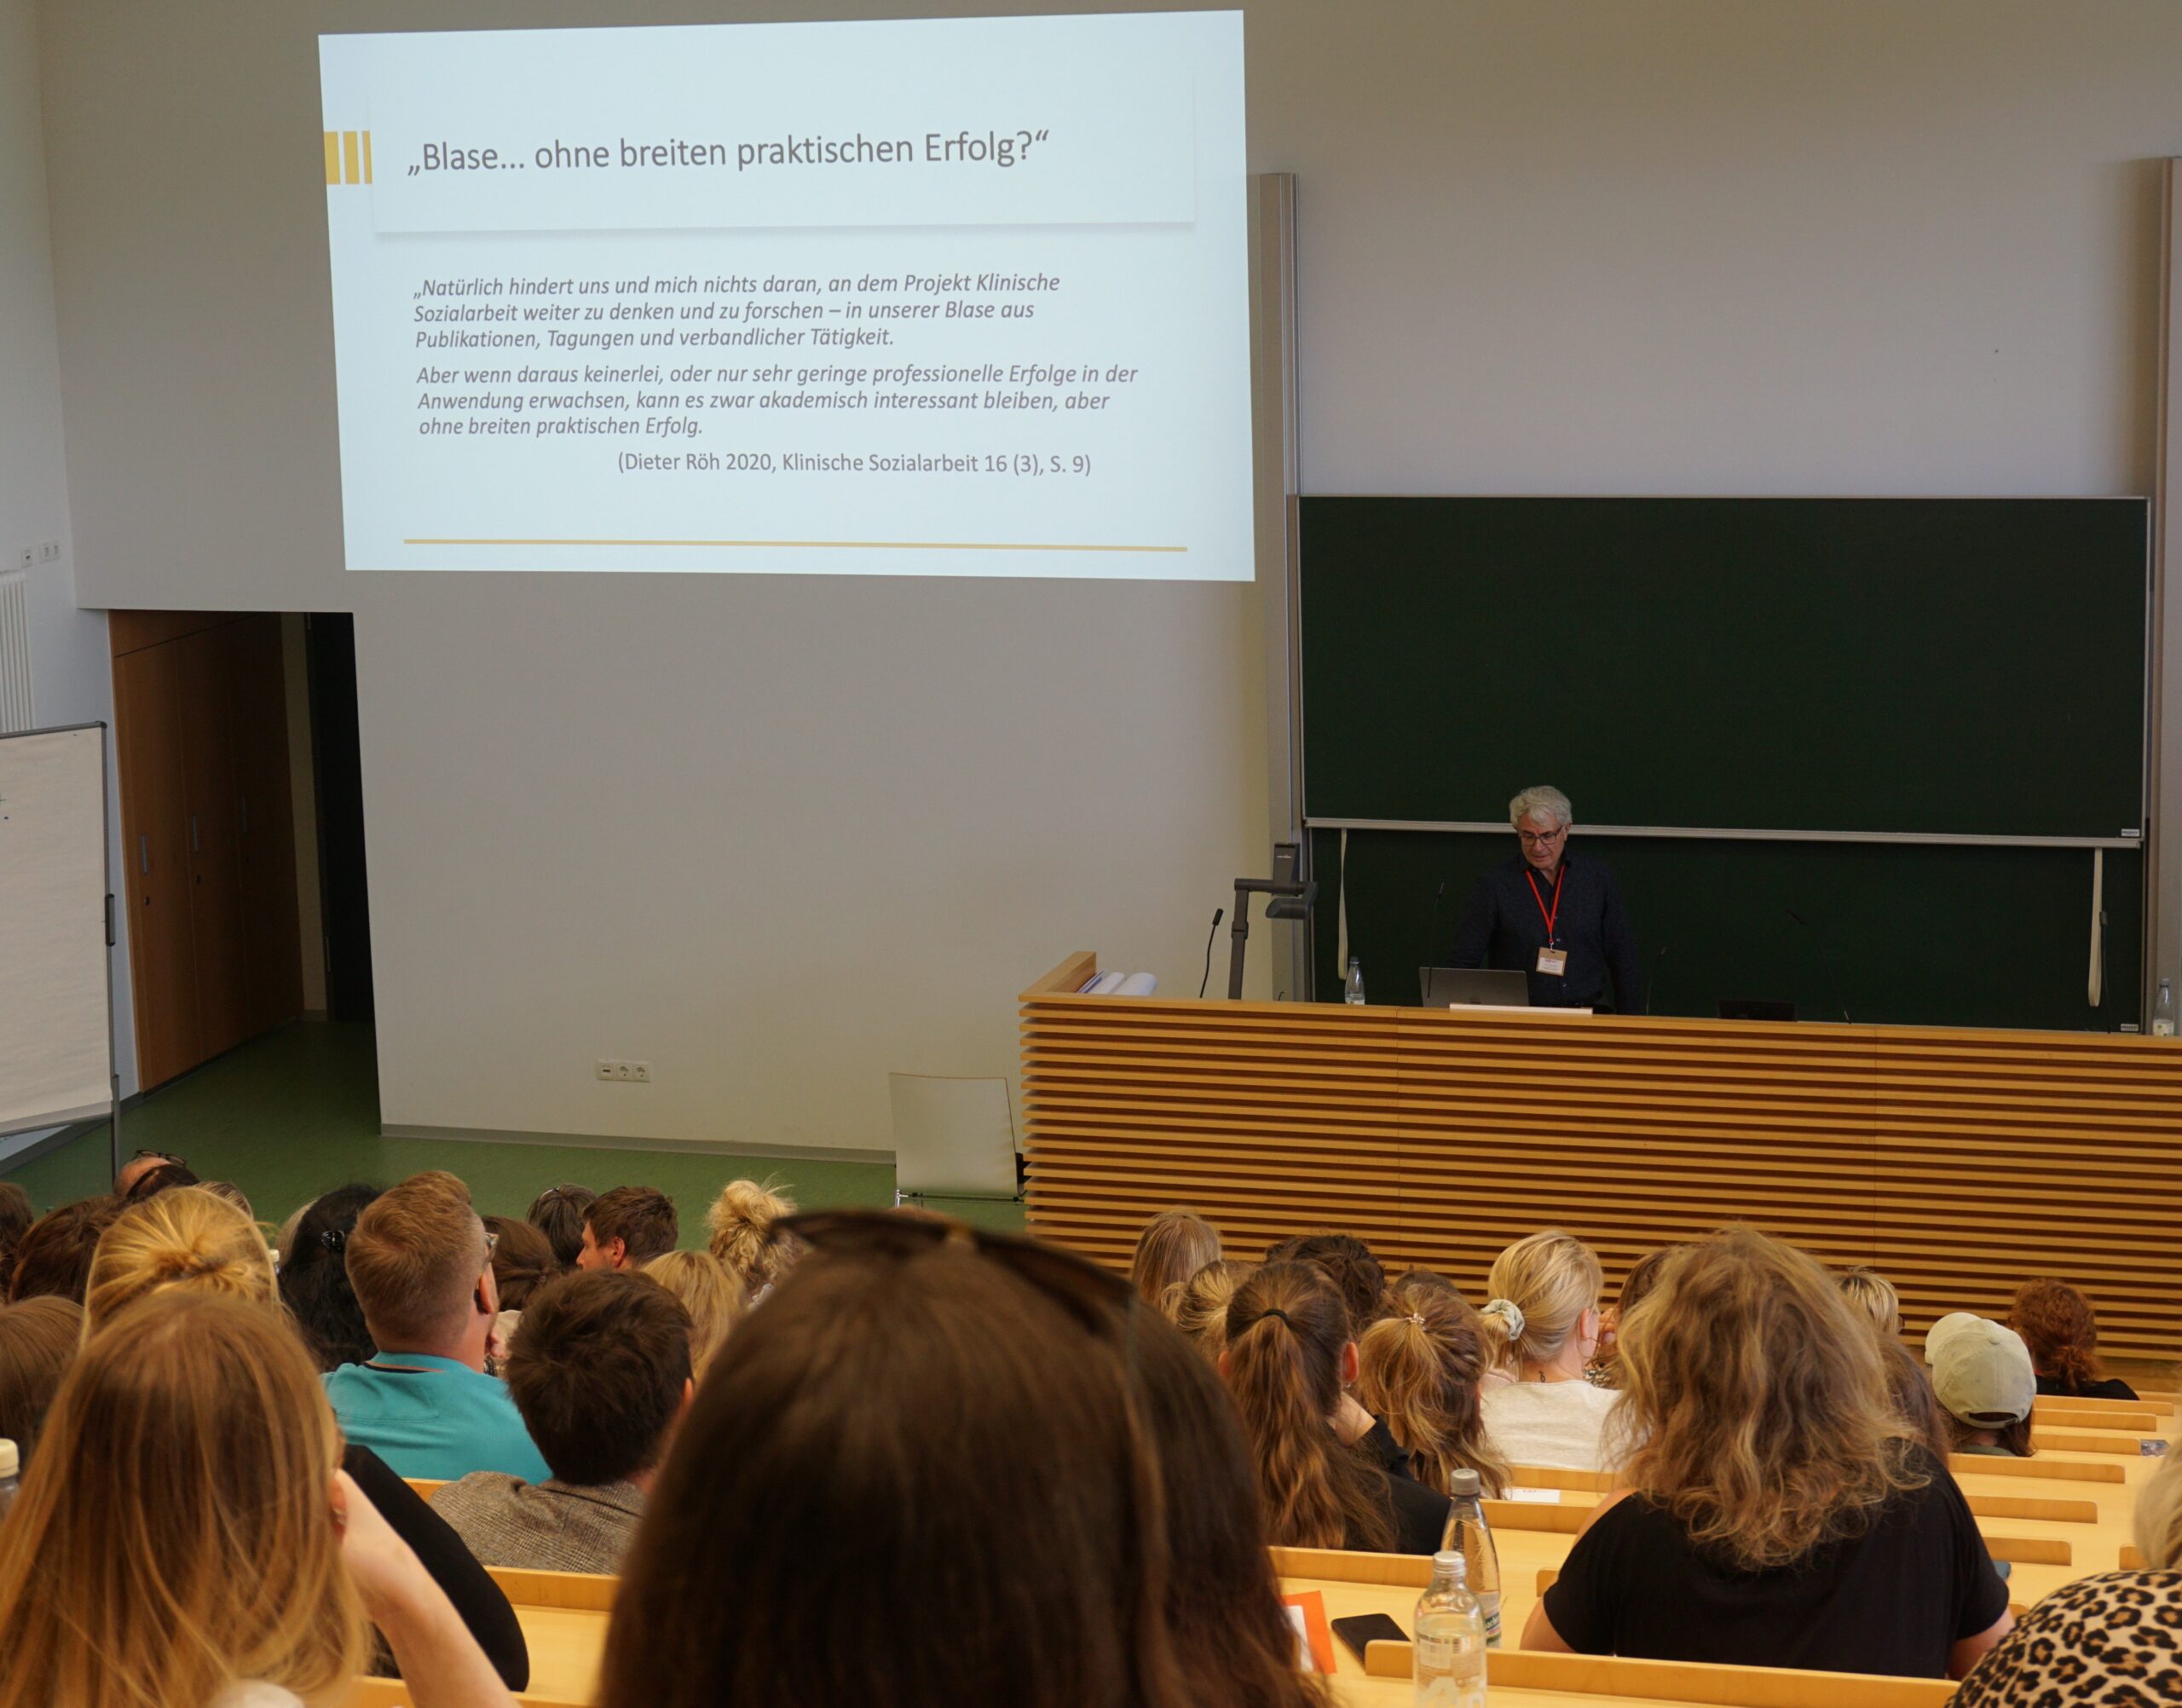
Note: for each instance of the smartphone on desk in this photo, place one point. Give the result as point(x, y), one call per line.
point(1360, 1630)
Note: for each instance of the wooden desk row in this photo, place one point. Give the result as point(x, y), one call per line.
point(1957, 1162)
point(2054, 1528)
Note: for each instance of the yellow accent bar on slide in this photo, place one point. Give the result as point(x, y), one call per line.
point(352, 170)
point(368, 156)
point(826, 545)
point(334, 157)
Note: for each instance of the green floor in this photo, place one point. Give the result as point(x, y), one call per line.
point(297, 1112)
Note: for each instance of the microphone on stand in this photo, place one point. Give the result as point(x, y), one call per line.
point(1218, 914)
point(1827, 954)
point(1652, 982)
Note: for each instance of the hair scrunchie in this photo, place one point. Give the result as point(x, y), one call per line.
point(1510, 1315)
point(333, 1238)
point(1271, 1310)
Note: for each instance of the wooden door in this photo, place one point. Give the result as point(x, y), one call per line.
point(265, 825)
point(207, 662)
point(155, 860)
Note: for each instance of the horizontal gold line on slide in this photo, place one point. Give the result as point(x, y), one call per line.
point(827, 545)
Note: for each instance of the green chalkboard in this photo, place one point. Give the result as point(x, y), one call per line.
point(1924, 665)
point(1952, 667)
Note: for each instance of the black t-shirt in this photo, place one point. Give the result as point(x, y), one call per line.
point(1894, 1599)
point(479, 1602)
point(2106, 1387)
point(1420, 1512)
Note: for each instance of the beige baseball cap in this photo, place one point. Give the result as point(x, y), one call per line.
point(1982, 1373)
point(1948, 1324)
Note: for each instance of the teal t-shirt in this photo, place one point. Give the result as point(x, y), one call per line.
point(430, 1417)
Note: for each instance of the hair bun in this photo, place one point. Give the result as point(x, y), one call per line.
point(1509, 1314)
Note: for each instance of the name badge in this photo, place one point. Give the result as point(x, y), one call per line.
point(1553, 962)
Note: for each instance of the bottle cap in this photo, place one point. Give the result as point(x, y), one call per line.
point(1448, 1560)
point(1465, 1482)
point(9, 1458)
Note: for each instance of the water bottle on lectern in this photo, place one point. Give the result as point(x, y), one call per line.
point(2162, 1010)
point(1354, 996)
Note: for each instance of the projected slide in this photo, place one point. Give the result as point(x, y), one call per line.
point(963, 296)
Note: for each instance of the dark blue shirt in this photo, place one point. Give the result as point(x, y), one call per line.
point(1505, 926)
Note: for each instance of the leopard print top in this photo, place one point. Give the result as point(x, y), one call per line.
point(2111, 1641)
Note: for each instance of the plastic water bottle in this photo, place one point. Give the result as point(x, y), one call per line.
point(11, 1463)
point(2162, 1010)
point(1355, 994)
point(1450, 1639)
point(1472, 1536)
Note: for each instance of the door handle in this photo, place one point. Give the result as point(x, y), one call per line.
point(193, 847)
point(143, 855)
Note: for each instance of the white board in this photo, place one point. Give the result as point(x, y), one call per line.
point(56, 1043)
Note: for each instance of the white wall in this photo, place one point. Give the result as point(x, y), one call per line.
point(71, 679)
point(778, 836)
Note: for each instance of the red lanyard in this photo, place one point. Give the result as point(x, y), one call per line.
point(1548, 918)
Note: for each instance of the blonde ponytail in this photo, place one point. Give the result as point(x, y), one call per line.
point(185, 1236)
point(1286, 1327)
point(1419, 1374)
point(1541, 1287)
point(741, 1222)
point(1198, 1307)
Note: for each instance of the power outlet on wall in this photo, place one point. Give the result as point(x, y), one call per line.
point(640, 1072)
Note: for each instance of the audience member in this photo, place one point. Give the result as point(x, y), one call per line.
point(186, 1537)
point(1232, 1636)
point(188, 1242)
point(161, 1177)
point(709, 1292)
point(421, 1266)
point(1775, 1511)
point(2115, 1640)
point(1982, 1377)
point(1198, 1305)
point(1544, 1319)
point(522, 1259)
point(231, 1193)
point(1419, 1366)
point(15, 1218)
point(626, 1228)
point(1873, 1294)
point(181, 1236)
point(314, 1278)
point(1358, 1277)
point(741, 1223)
point(1643, 1275)
point(1288, 1358)
point(55, 1255)
point(142, 1164)
point(39, 1340)
point(558, 1213)
point(2059, 1326)
point(600, 1372)
point(909, 1366)
point(1176, 1244)
point(284, 1236)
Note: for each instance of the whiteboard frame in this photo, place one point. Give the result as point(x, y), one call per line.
point(65, 1117)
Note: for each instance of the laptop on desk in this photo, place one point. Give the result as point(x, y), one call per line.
point(1473, 987)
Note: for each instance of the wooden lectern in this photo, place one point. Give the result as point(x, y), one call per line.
point(1957, 1162)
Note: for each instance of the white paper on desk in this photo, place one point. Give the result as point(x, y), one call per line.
point(1138, 984)
point(1303, 1661)
point(1532, 1497)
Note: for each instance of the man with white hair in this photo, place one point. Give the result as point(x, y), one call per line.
point(1551, 915)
